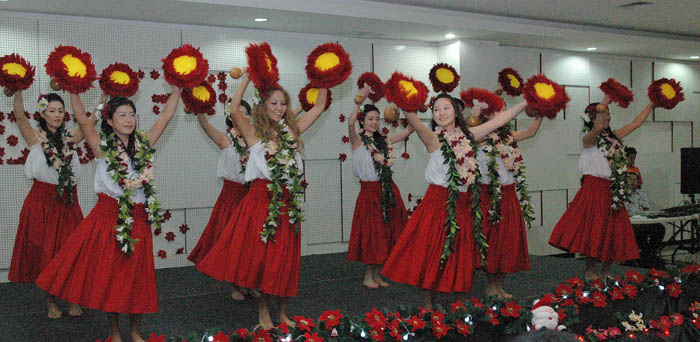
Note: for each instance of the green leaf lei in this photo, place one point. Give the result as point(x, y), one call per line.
point(117, 160)
point(61, 161)
point(502, 144)
point(238, 143)
point(285, 171)
point(614, 150)
point(383, 160)
point(466, 174)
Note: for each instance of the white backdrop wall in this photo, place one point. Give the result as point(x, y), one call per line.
point(186, 160)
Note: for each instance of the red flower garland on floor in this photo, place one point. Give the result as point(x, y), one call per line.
point(71, 68)
point(200, 99)
point(666, 93)
point(262, 67)
point(309, 94)
point(185, 67)
point(328, 65)
point(545, 96)
point(617, 92)
point(407, 93)
point(511, 81)
point(494, 102)
point(443, 77)
point(374, 82)
point(15, 72)
point(119, 79)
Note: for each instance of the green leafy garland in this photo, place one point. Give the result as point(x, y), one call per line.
point(383, 160)
point(502, 144)
point(614, 151)
point(462, 169)
point(285, 171)
point(238, 143)
point(114, 152)
point(61, 161)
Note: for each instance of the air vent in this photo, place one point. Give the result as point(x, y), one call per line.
point(361, 34)
point(636, 4)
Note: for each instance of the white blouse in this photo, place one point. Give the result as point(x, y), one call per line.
point(106, 185)
point(505, 177)
point(257, 164)
point(363, 165)
point(594, 162)
point(436, 171)
point(37, 167)
point(230, 167)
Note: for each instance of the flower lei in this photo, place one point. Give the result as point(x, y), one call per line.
point(61, 161)
point(239, 144)
point(502, 144)
point(114, 151)
point(458, 153)
point(614, 150)
point(383, 160)
point(284, 172)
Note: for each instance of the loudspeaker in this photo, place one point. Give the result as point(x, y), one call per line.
point(690, 170)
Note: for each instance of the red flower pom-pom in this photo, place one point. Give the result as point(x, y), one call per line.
point(511, 81)
point(374, 82)
point(545, 96)
point(328, 65)
point(308, 96)
point(185, 67)
point(15, 72)
point(262, 67)
point(407, 93)
point(484, 98)
point(71, 68)
point(119, 80)
point(617, 92)
point(200, 99)
point(443, 77)
point(666, 93)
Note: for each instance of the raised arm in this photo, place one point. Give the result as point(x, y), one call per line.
point(25, 128)
point(498, 120)
point(77, 133)
point(240, 120)
point(425, 134)
point(636, 123)
point(164, 118)
point(355, 141)
point(296, 111)
point(218, 137)
point(315, 112)
point(87, 126)
point(401, 136)
point(530, 131)
point(590, 139)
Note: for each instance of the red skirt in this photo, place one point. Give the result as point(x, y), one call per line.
point(415, 260)
point(231, 195)
point(91, 270)
point(591, 227)
point(507, 240)
point(371, 238)
point(45, 223)
point(239, 256)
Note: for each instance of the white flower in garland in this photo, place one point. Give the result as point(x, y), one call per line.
point(238, 143)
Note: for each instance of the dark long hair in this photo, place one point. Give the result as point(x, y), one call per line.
point(54, 137)
point(459, 119)
point(112, 106)
point(379, 140)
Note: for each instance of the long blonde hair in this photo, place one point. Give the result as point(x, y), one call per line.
point(267, 128)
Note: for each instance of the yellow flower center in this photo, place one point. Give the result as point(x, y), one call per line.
point(544, 90)
point(201, 93)
point(75, 66)
point(120, 77)
point(668, 91)
point(14, 69)
point(269, 63)
point(312, 95)
point(408, 88)
point(185, 64)
point(513, 81)
point(326, 61)
point(444, 75)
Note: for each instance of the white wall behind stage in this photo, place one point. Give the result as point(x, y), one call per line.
point(186, 160)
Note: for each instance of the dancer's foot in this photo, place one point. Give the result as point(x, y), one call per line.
point(285, 319)
point(590, 276)
point(136, 336)
point(74, 310)
point(503, 294)
point(54, 310)
point(236, 294)
point(369, 282)
point(265, 320)
point(116, 337)
point(381, 282)
point(252, 292)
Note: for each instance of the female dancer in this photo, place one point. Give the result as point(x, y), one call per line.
point(260, 246)
point(596, 224)
point(51, 210)
point(97, 268)
point(234, 156)
point(380, 214)
point(503, 223)
point(436, 250)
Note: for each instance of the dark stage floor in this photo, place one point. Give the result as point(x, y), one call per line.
point(190, 301)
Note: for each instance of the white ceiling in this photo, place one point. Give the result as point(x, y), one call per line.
point(666, 29)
